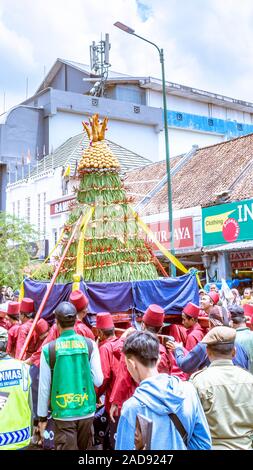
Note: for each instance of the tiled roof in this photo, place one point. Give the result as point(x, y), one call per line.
point(213, 170)
point(70, 152)
point(140, 182)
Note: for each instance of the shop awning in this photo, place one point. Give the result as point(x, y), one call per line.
point(247, 245)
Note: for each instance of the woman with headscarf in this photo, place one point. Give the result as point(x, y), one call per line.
point(236, 300)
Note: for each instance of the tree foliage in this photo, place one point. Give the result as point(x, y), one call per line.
point(15, 235)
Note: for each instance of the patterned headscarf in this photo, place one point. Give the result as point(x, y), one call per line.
point(219, 316)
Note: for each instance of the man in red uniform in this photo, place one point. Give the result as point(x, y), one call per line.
point(194, 331)
point(26, 317)
point(207, 302)
point(13, 317)
point(41, 329)
point(4, 322)
point(181, 332)
point(109, 354)
point(124, 385)
point(80, 328)
point(110, 348)
point(80, 301)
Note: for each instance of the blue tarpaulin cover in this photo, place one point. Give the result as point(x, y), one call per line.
point(170, 293)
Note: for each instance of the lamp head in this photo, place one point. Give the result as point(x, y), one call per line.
point(125, 28)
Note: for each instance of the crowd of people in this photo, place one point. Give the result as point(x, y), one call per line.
point(79, 387)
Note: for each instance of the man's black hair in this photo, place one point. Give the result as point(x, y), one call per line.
point(188, 317)
point(238, 320)
point(66, 313)
point(13, 317)
point(221, 349)
point(153, 329)
point(28, 315)
point(144, 346)
point(236, 310)
point(109, 332)
point(237, 314)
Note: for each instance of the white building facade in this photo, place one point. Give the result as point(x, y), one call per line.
point(134, 106)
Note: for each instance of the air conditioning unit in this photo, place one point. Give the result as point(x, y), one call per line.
point(39, 249)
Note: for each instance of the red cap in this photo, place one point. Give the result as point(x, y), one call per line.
point(214, 296)
point(154, 315)
point(27, 305)
point(248, 310)
point(191, 310)
point(104, 321)
point(41, 327)
point(13, 308)
point(78, 299)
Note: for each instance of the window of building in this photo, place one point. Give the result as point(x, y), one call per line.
point(38, 215)
point(13, 208)
point(28, 209)
point(18, 209)
point(55, 236)
point(44, 215)
point(130, 93)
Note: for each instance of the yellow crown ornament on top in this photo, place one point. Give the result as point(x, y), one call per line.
point(97, 158)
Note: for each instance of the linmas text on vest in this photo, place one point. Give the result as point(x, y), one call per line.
point(90, 460)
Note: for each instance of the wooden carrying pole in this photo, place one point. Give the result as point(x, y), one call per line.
point(42, 305)
point(156, 260)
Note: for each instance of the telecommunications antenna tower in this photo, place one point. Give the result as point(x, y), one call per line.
point(99, 64)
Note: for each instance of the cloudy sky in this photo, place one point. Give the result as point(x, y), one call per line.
point(207, 43)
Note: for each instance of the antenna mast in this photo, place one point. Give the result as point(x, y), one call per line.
point(99, 64)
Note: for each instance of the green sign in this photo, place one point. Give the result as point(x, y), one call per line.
point(227, 223)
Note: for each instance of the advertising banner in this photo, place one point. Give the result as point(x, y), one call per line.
point(227, 223)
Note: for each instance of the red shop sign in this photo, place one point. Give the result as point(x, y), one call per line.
point(183, 233)
point(60, 206)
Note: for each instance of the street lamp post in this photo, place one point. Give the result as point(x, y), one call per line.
point(128, 30)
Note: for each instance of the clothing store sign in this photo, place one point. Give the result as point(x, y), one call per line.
point(227, 223)
point(183, 233)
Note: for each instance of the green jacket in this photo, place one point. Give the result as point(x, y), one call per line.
point(72, 390)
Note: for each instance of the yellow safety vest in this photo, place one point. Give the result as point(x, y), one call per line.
point(15, 412)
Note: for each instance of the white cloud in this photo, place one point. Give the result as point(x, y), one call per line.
point(207, 43)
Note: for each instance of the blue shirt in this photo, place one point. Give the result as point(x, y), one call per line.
point(155, 398)
point(197, 358)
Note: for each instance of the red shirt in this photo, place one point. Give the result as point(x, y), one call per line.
point(125, 386)
point(12, 339)
point(22, 335)
point(178, 332)
point(53, 334)
point(109, 351)
point(83, 330)
point(194, 335)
